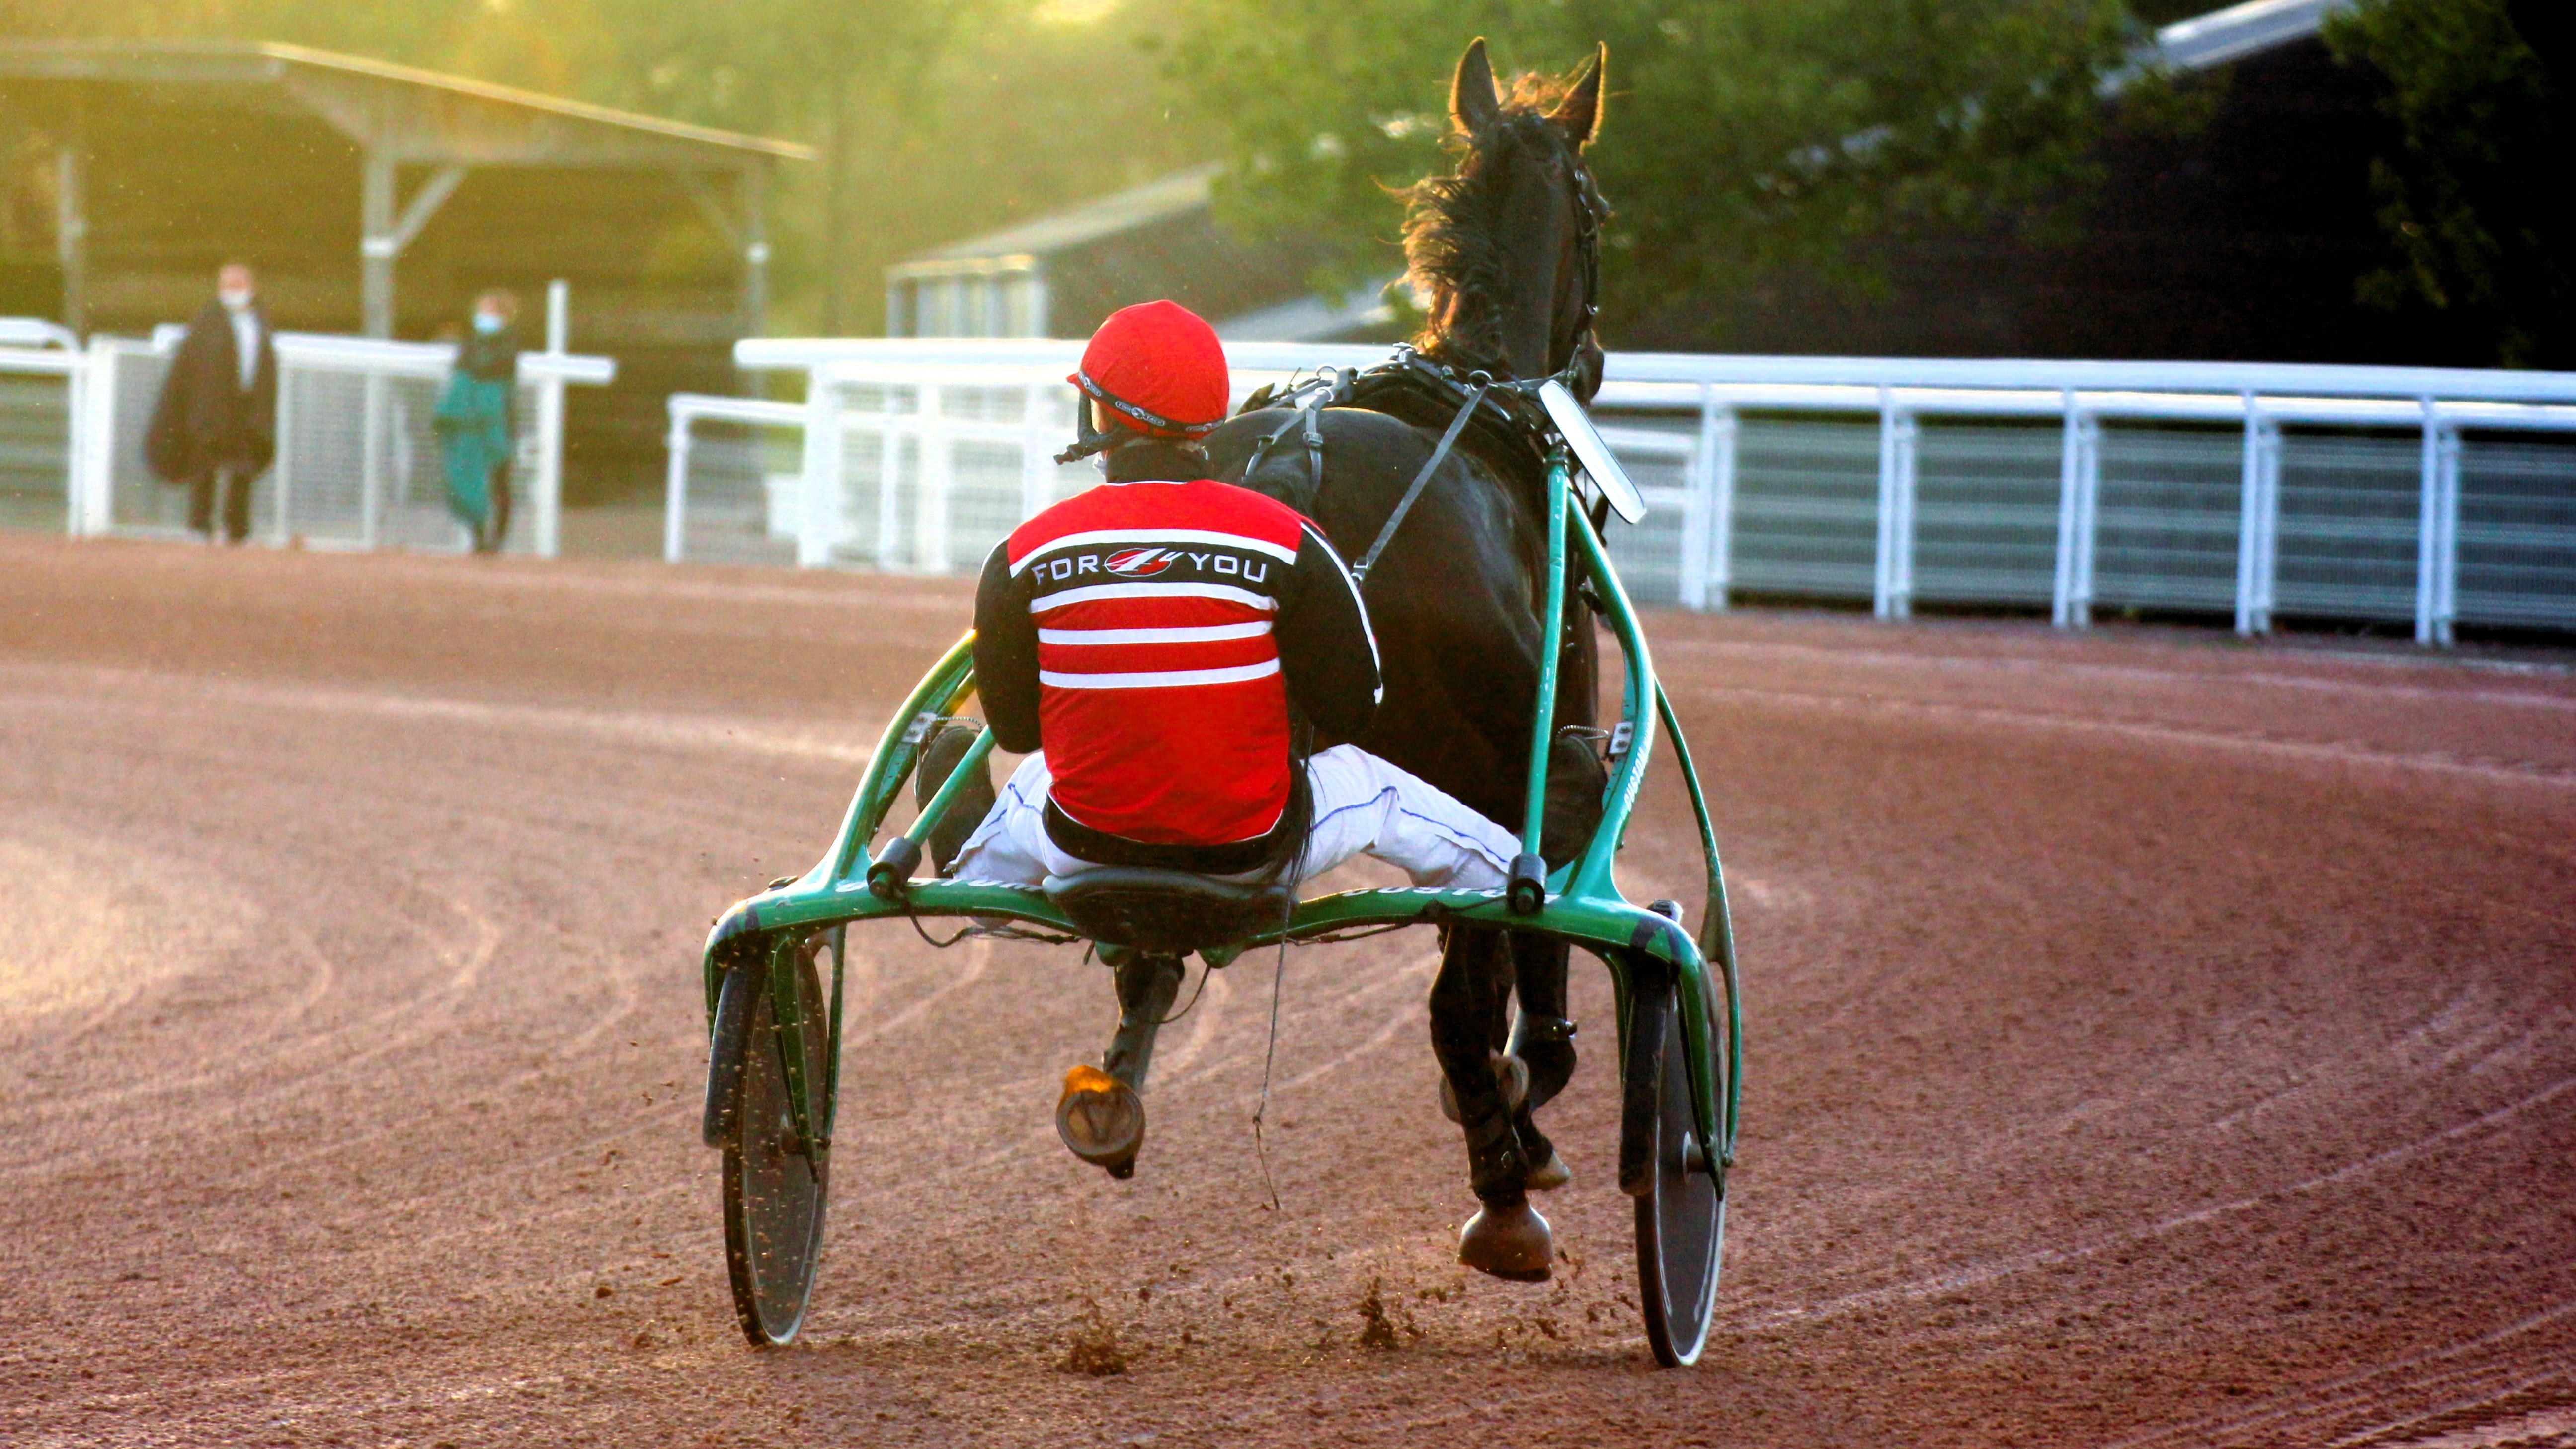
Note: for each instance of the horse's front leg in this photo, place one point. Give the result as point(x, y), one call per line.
point(1507, 1237)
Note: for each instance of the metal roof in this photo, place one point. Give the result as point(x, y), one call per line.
point(2206, 42)
point(257, 63)
point(1173, 195)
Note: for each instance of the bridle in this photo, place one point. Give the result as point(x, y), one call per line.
point(1590, 211)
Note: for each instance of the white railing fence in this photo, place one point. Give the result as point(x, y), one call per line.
point(42, 378)
point(735, 472)
point(357, 462)
point(2420, 496)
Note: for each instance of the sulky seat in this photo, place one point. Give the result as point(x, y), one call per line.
point(1168, 912)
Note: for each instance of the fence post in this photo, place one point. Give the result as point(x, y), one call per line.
point(96, 431)
point(1037, 460)
point(75, 440)
point(2446, 558)
point(1692, 586)
point(550, 422)
point(890, 482)
point(2070, 484)
point(1895, 583)
point(1717, 445)
point(282, 474)
point(2088, 517)
point(675, 493)
point(2258, 520)
point(371, 453)
point(930, 500)
point(824, 464)
point(2428, 524)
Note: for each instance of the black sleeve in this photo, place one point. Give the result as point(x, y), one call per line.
point(1006, 655)
point(1325, 646)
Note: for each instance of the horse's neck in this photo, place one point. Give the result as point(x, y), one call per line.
point(1447, 345)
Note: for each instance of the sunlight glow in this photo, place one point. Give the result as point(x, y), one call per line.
point(1075, 12)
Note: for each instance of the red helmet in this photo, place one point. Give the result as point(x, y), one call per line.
point(1158, 369)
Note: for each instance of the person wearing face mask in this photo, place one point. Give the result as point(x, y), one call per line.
point(214, 428)
point(474, 423)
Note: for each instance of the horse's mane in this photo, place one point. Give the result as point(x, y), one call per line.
point(1456, 239)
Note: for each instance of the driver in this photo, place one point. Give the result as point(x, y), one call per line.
point(1153, 645)
point(1168, 650)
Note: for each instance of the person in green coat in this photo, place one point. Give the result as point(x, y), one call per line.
point(475, 432)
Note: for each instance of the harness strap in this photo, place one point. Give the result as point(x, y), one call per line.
point(1421, 480)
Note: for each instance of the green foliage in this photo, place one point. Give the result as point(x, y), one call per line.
point(2473, 198)
point(1741, 135)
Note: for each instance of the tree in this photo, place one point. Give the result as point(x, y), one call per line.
point(1742, 135)
point(2472, 197)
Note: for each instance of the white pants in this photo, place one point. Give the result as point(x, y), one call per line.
point(1362, 804)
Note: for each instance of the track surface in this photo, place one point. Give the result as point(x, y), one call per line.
point(2156, 1041)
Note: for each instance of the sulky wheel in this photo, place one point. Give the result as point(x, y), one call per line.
point(1680, 1190)
point(773, 1183)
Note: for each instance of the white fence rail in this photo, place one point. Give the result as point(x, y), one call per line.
point(357, 463)
point(734, 474)
point(2419, 496)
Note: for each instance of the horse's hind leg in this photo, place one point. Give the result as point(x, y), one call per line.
point(1101, 1115)
point(1147, 986)
point(1507, 1238)
point(1542, 1036)
point(1542, 1041)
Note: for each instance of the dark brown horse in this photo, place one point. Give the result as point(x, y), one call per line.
point(1505, 250)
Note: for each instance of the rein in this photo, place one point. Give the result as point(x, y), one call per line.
point(1422, 480)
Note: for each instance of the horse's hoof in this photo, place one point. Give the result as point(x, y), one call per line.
point(1101, 1120)
point(1548, 1176)
point(1508, 1242)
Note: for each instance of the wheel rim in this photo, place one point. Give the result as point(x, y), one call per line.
point(774, 1190)
point(1681, 1223)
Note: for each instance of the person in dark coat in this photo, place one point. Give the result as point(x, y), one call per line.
point(215, 426)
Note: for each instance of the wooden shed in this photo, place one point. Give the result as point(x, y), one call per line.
point(375, 198)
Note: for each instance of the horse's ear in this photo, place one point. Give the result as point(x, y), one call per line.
point(1474, 102)
point(1580, 112)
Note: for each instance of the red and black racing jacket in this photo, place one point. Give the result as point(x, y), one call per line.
point(1150, 636)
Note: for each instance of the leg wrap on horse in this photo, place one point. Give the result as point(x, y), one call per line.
point(1466, 1002)
point(1542, 1037)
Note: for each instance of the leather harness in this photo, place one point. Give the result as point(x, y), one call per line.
point(1501, 420)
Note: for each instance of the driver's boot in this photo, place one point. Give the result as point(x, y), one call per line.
point(1506, 1237)
point(940, 755)
point(1101, 1115)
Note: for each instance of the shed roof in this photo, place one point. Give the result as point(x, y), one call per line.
point(1170, 196)
point(423, 115)
point(2222, 37)
point(2205, 41)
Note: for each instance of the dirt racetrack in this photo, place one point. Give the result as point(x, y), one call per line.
point(2155, 1041)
